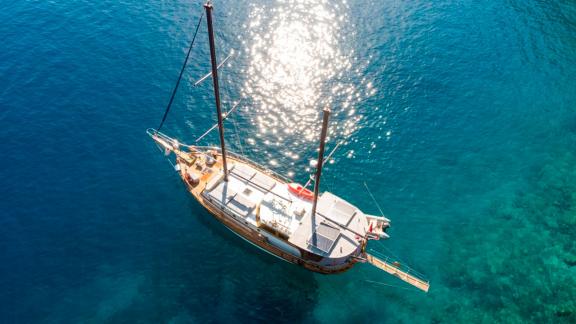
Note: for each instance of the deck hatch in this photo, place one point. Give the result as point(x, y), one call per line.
point(326, 236)
point(242, 172)
point(221, 193)
point(336, 209)
point(241, 205)
point(263, 181)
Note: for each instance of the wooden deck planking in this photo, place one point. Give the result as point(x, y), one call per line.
point(416, 282)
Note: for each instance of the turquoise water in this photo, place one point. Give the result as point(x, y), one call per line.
point(460, 116)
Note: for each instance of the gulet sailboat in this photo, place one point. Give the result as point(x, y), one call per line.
point(317, 230)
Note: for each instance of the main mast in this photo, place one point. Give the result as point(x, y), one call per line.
point(208, 7)
point(319, 165)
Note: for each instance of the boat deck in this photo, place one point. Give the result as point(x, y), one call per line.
point(264, 201)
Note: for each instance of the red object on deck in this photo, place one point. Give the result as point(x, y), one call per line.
point(300, 191)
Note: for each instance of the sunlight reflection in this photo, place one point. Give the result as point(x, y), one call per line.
point(297, 66)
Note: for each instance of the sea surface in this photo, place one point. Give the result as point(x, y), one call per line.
point(460, 116)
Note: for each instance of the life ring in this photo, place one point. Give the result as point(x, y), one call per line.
point(300, 191)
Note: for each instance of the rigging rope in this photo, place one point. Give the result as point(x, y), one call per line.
point(181, 73)
point(403, 262)
point(238, 136)
point(374, 199)
point(389, 285)
point(385, 284)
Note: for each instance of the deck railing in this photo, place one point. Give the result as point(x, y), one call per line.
point(394, 263)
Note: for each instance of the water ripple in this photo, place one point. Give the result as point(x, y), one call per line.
point(298, 63)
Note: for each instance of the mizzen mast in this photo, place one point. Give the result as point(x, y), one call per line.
point(319, 165)
point(209, 8)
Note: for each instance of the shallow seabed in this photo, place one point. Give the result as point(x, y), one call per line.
point(459, 115)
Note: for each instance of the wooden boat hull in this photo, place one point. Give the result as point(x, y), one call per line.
point(260, 241)
point(254, 235)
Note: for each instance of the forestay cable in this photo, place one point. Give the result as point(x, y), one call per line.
point(181, 73)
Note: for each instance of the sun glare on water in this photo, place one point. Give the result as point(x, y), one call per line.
point(297, 65)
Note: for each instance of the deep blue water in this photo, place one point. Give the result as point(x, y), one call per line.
point(459, 115)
